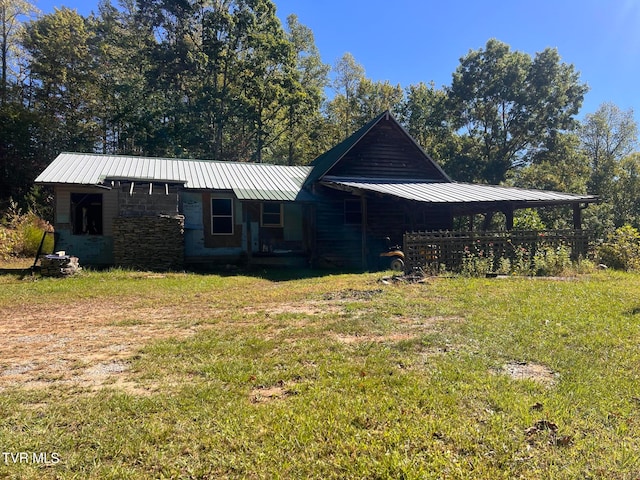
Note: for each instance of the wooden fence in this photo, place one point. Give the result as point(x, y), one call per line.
point(432, 251)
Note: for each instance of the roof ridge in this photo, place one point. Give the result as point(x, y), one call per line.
point(179, 159)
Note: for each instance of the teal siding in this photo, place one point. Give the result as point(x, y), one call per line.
point(96, 250)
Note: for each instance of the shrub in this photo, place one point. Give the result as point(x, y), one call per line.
point(21, 234)
point(622, 249)
point(549, 260)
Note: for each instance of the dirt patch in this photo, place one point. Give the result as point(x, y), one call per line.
point(394, 337)
point(353, 294)
point(530, 371)
point(300, 308)
point(87, 344)
point(263, 394)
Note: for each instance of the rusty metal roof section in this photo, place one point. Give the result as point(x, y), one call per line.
point(453, 192)
point(249, 181)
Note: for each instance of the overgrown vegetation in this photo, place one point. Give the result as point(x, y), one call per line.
point(21, 234)
point(542, 260)
point(622, 249)
point(323, 377)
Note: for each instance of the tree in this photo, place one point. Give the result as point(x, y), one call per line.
point(559, 165)
point(626, 192)
point(303, 138)
point(12, 14)
point(372, 98)
point(507, 103)
point(607, 136)
point(426, 118)
point(348, 75)
point(64, 85)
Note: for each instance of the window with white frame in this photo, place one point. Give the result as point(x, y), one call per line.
point(222, 216)
point(271, 214)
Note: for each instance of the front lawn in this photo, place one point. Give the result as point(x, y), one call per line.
point(139, 375)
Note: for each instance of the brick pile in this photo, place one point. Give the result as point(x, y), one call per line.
point(149, 243)
point(59, 266)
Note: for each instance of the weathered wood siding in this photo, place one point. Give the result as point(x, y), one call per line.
point(386, 152)
point(337, 244)
point(340, 244)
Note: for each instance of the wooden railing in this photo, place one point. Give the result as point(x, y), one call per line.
point(448, 249)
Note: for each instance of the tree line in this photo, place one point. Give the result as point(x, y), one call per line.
point(225, 80)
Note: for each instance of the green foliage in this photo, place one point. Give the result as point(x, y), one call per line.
point(508, 103)
point(527, 219)
point(607, 136)
point(542, 259)
point(21, 234)
point(622, 249)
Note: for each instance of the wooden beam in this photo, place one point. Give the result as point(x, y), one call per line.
point(577, 216)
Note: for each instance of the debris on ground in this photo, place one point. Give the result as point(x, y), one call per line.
point(417, 276)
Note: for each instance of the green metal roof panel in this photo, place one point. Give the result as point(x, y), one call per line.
point(250, 181)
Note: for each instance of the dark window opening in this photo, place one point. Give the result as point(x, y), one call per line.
point(352, 212)
point(271, 214)
point(86, 213)
point(222, 216)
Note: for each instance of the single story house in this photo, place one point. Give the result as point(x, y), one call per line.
point(168, 213)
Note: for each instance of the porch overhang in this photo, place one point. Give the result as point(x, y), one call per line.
point(463, 198)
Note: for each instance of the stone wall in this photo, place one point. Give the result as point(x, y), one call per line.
point(141, 203)
point(149, 243)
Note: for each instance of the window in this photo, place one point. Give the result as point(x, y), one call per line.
point(352, 212)
point(86, 213)
point(271, 214)
point(222, 216)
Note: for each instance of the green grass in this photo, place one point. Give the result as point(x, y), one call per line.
point(370, 381)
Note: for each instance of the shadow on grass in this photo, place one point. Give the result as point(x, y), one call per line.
point(19, 273)
point(274, 274)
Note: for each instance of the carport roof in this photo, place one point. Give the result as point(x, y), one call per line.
point(455, 193)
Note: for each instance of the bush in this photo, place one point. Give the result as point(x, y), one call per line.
point(622, 249)
point(21, 234)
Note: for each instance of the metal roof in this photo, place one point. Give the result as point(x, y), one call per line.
point(249, 181)
point(455, 193)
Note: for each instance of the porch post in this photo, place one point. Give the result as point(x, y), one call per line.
point(508, 213)
point(247, 221)
point(577, 217)
point(363, 208)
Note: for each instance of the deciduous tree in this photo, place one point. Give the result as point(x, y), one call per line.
point(507, 103)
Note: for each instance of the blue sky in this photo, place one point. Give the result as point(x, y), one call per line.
point(409, 41)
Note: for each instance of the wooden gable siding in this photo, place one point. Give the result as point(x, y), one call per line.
point(386, 152)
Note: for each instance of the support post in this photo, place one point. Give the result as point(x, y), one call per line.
point(577, 216)
point(363, 208)
point(508, 213)
point(487, 221)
